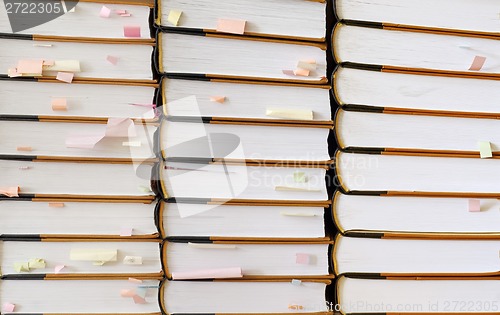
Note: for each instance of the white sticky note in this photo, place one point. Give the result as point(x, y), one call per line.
point(64, 65)
point(485, 149)
point(99, 256)
point(132, 260)
point(284, 113)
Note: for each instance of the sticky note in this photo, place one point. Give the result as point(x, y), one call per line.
point(59, 268)
point(296, 282)
point(120, 127)
point(120, 12)
point(208, 274)
point(21, 267)
point(211, 246)
point(288, 72)
point(12, 73)
point(302, 259)
point(64, 66)
point(32, 66)
point(65, 77)
point(8, 307)
point(36, 263)
point(56, 204)
point(24, 148)
point(59, 104)
point(485, 149)
point(231, 26)
point(127, 293)
point(98, 256)
point(295, 307)
point(301, 72)
point(295, 188)
point(105, 12)
point(132, 260)
point(42, 45)
point(132, 144)
point(24, 168)
point(112, 60)
point(477, 63)
point(125, 15)
point(141, 292)
point(307, 65)
point(297, 214)
point(474, 205)
point(299, 177)
point(174, 17)
point(295, 114)
point(132, 31)
point(48, 62)
point(139, 300)
point(134, 280)
point(218, 99)
point(144, 189)
point(10, 191)
point(126, 231)
point(83, 141)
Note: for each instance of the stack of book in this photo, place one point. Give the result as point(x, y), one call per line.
point(418, 167)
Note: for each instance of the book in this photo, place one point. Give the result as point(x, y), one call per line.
point(82, 296)
point(247, 101)
point(25, 97)
point(216, 56)
point(76, 61)
point(414, 257)
point(188, 220)
point(408, 175)
point(60, 218)
point(86, 20)
point(371, 89)
point(422, 296)
point(23, 260)
point(181, 140)
point(73, 180)
point(423, 15)
point(305, 20)
point(306, 296)
point(418, 134)
point(412, 52)
point(119, 140)
point(236, 183)
point(414, 217)
point(195, 259)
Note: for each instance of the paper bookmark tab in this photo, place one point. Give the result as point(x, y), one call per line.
point(126, 231)
point(37, 263)
point(134, 280)
point(120, 12)
point(307, 65)
point(10, 191)
point(24, 168)
point(141, 291)
point(302, 259)
point(64, 66)
point(65, 77)
point(218, 99)
point(83, 141)
point(112, 60)
point(12, 73)
point(59, 268)
point(297, 214)
point(174, 16)
point(125, 15)
point(8, 307)
point(474, 205)
point(295, 307)
point(21, 267)
point(120, 127)
point(211, 246)
point(56, 204)
point(485, 150)
point(127, 293)
point(98, 256)
point(132, 260)
point(477, 63)
point(219, 273)
point(132, 31)
point(105, 12)
point(231, 26)
point(288, 72)
point(24, 148)
point(295, 188)
point(30, 66)
point(295, 114)
point(301, 72)
point(299, 177)
point(59, 104)
point(132, 144)
point(139, 299)
point(296, 282)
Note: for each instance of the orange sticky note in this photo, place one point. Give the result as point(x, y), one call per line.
point(474, 205)
point(31, 66)
point(23, 148)
point(65, 77)
point(10, 191)
point(135, 280)
point(139, 299)
point(231, 26)
point(295, 307)
point(477, 63)
point(56, 204)
point(301, 72)
point(218, 99)
point(59, 104)
point(127, 293)
point(132, 31)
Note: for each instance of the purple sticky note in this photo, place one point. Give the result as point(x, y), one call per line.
point(105, 12)
point(474, 205)
point(112, 59)
point(132, 31)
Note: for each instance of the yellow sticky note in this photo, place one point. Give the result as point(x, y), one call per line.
point(299, 177)
point(64, 65)
point(174, 17)
point(97, 256)
point(21, 266)
point(485, 149)
point(36, 263)
point(297, 114)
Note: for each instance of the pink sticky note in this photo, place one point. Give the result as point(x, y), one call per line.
point(112, 59)
point(126, 231)
point(474, 205)
point(119, 12)
point(125, 15)
point(139, 299)
point(288, 72)
point(231, 26)
point(208, 274)
point(83, 141)
point(65, 77)
point(132, 31)
point(8, 307)
point(134, 280)
point(218, 99)
point(10, 191)
point(12, 72)
point(302, 259)
point(477, 63)
point(105, 12)
point(127, 293)
point(59, 104)
point(59, 268)
point(31, 66)
point(120, 127)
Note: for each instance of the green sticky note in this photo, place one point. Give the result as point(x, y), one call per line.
point(299, 177)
